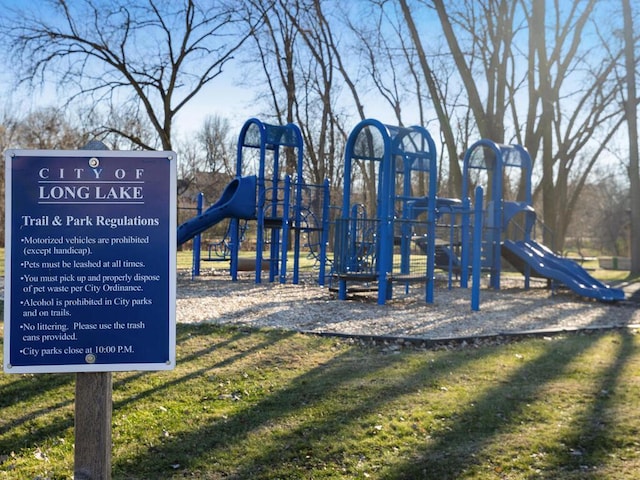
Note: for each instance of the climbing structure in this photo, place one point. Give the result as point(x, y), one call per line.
point(284, 205)
point(509, 223)
point(485, 164)
point(388, 208)
point(272, 212)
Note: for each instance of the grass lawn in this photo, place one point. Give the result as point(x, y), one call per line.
point(262, 404)
point(265, 404)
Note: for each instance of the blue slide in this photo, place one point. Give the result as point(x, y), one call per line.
point(238, 200)
point(545, 263)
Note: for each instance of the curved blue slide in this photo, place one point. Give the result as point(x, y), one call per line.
point(547, 264)
point(238, 200)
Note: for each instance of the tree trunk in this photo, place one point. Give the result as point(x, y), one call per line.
point(455, 173)
point(632, 123)
point(549, 200)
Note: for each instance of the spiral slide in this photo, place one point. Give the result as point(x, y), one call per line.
point(545, 263)
point(238, 200)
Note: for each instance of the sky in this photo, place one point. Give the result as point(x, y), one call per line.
point(226, 96)
point(223, 97)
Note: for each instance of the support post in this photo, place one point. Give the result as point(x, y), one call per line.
point(93, 412)
point(477, 248)
point(195, 267)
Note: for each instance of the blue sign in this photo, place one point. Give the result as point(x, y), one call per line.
point(90, 261)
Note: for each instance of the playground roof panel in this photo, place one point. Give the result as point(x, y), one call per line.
point(283, 135)
point(482, 157)
point(512, 157)
point(413, 163)
point(255, 132)
point(252, 135)
point(371, 137)
point(483, 154)
point(369, 144)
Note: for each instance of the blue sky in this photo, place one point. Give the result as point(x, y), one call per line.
point(226, 96)
point(223, 96)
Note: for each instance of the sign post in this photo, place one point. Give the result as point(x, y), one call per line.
point(93, 414)
point(90, 270)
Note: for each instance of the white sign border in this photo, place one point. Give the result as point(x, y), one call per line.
point(102, 367)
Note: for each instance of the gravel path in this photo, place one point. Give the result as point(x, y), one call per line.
point(214, 298)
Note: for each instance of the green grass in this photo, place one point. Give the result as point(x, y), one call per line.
point(266, 404)
point(184, 261)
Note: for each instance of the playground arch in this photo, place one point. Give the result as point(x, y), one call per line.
point(395, 170)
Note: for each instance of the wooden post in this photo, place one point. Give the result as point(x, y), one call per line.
point(93, 411)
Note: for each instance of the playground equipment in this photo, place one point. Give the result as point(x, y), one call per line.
point(263, 197)
point(392, 172)
point(238, 200)
point(390, 227)
point(517, 219)
point(387, 198)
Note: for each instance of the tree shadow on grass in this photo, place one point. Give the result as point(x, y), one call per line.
point(591, 440)
point(294, 442)
point(456, 452)
point(194, 356)
point(289, 439)
point(35, 393)
point(24, 388)
point(298, 443)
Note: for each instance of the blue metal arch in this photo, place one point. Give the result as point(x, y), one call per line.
point(267, 137)
point(399, 144)
point(503, 156)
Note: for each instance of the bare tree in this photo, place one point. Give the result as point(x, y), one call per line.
point(550, 90)
point(439, 104)
point(607, 214)
point(275, 44)
point(121, 128)
point(155, 55)
point(574, 88)
point(215, 137)
point(207, 159)
point(7, 131)
point(379, 53)
point(299, 59)
point(47, 129)
point(491, 27)
point(318, 110)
